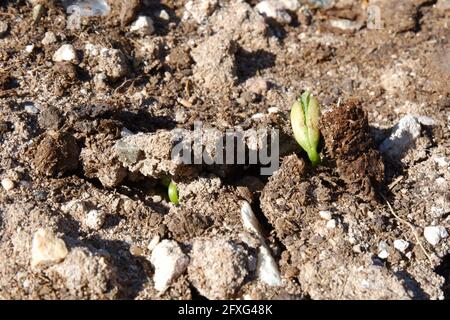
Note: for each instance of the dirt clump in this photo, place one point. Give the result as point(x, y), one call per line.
point(215, 65)
point(347, 137)
point(98, 157)
point(56, 154)
point(218, 267)
point(86, 275)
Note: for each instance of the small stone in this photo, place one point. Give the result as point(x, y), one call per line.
point(31, 109)
point(331, 224)
point(292, 5)
point(65, 53)
point(274, 9)
point(3, 28)
point(7, 184)
point(95, 219)
point(169, 262)
point(383, 254)
point(143, 25)
point(326, 215)
point(273, 110)
point(46, 248)
point(157, 199)
point(402, 138)
point(434, 234)
point(249, 220)
point(49, 38)
point(258, 116)
point(266, 268)
point(401, 245)
point(163, 15)
point(152, 244)
point(345, 24)
point(29, 48)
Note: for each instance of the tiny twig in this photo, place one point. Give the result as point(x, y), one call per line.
point(413, 229)
point(395, 182)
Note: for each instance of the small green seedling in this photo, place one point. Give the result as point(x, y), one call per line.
point(172, 190)
point(173, 193)
point(305, 115)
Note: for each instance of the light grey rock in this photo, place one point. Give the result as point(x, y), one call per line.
point(66, 53)
point(434, 234)
point(402, 138)
point(169, 262)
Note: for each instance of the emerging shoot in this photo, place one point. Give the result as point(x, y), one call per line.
point(173, 193)
point(305, 115)
point(172, 190)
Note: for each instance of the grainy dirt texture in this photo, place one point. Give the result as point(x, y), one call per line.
point(88, 110)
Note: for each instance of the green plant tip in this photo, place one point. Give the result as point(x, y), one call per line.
point(173, 193)
point(305, 115)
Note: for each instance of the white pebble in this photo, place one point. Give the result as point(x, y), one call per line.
point(7, 184)
point(273, 9)
point(65, 53)
point(267, 269)
point(249, 220)
point(49, 38)
point(326, 215)
point(434, 234)
point(331, 224)
point(258, 116)
point(143, 25)
point(402, 138)
point(46, 248)
point(95, 219)
point(163, 15)
point(152, 244)
point(401, 245)
point(383, 254)
point(169, 263)
point(29, 48)
point(29, 108)
point(272, 110)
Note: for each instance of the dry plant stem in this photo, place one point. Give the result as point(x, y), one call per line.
point(412, 228)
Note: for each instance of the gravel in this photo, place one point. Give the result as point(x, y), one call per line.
point(402, 138)
point(46, 248)
point(7, 184)
point(401, 245)
point(169, 262)
point(434, 234)
point(143, 25)
point(65, 53)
